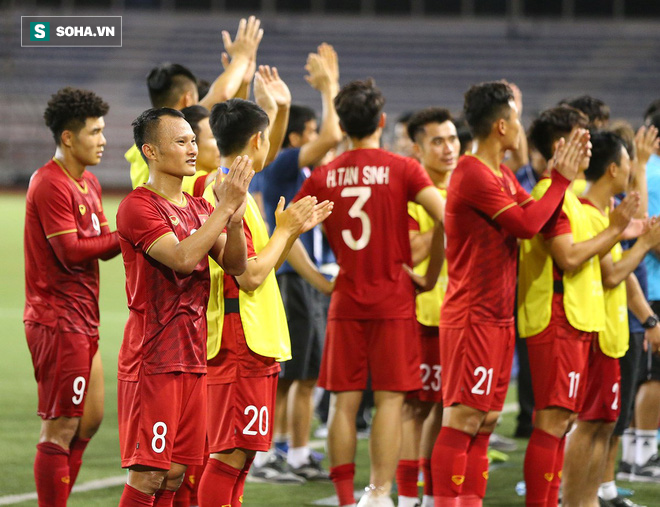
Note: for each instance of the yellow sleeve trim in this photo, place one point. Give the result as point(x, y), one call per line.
point(68, 231)
point(503, 210)
point(530, 198)
point(156, 240)
point(104, 223)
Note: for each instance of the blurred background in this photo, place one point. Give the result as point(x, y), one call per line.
point(421, 53)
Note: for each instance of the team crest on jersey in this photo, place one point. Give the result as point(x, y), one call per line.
point(174, 219)
point(549, 477)
point(458, 479)
point(82, 209)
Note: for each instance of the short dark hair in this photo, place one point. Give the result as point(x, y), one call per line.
point(195, 114)
point(359, 105)
point(203, 87)
point(145, 126)
point(465, 136)
point(234, 122)
point(485, 103)
point(298, 117)
point(553, 124)
point(595, 109)
point(167, 82)
point(421, 119)
point(605, 149)
point(69, 108)
point(624, 130)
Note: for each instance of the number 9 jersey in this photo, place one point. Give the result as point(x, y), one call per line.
point(368, 230)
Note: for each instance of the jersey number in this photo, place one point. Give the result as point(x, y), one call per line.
point(158, 442)
point(435, 384)
point(615, 390)
point(261, 415)
point(356, 211)
point(78, 390)
point(484, 374)
point(573, 385)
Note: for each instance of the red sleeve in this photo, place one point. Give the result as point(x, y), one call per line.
point(557, 225)
point(418, 179)
point(413, 225)
point(55, 208)
point(522, 196)
point(527, 222)
point(72, 250)
point(141, 223)
point(248, 241)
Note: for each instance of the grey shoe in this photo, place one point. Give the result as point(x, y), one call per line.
point(648, 472)
point(312, 471)
point(274, 471)
point(620, 501)
point(624, 472)
point(502, 444)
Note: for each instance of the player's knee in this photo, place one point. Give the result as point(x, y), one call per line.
point(90, 427)
point(490, 422)
point(148, 481)
point(60, 431)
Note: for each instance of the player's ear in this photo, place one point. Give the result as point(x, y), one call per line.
point(149, 151)
point(383, 120)
point(613, 169)
point(66, 138)
point(500, 125)
point(417, 150)
point(256, 140)
point(188, 99)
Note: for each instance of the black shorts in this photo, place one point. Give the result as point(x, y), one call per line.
point(306, 313)
point(630, 377)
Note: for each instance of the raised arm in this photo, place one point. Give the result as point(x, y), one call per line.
point(277, 89)
point(569, 255)
point(289, 224)
point(183, 256)
point(614, 273)
point(241, 50)
point(323, 69)
point(646, 143)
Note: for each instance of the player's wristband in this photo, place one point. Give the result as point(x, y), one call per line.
point(651, 322)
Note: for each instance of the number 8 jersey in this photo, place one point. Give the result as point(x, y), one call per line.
point(368, 230)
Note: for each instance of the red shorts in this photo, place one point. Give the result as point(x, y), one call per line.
point(558, 360)
point(62, 362)
point(430, 368)
point(382, 349)
point(602, 396)
point(241, 414)
point(162, 420)
point(476, 365)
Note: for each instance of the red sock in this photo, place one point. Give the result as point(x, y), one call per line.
point(131, 497)
point(342, 477)
point(164, 498)
point(196, 478)
point(51, 474)
point(539, 466)
point(425, 463)
point(237, 494)
point(76, 450)
point(448, 465)
point(407, 472)
point(553, 493)
point(476, 471)
point(217, 484)
point(182, 496)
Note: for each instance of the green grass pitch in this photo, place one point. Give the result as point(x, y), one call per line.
point(19, 425)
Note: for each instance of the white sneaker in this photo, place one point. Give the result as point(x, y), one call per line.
point(370, 499)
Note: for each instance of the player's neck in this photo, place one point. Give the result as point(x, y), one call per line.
point(166, 184)
point(439, 178)
point(491, 153)
point(371, 142)
point(600, 194)
point(71, 164)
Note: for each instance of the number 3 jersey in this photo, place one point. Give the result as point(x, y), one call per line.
point(368, 230)
point(55, 294)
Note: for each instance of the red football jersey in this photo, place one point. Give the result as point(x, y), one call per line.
point(481, 255)
point(166, 328)
point(59, 204)
point(368, 230)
